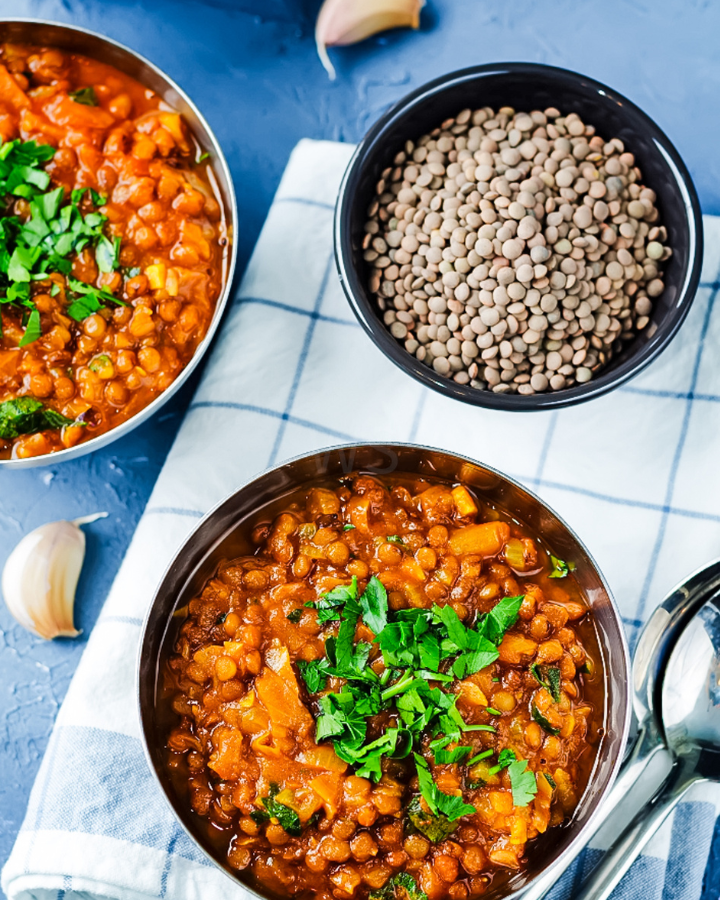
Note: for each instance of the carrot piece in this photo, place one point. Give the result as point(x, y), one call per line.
point(485, 540)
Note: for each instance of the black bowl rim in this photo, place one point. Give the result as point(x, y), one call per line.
point(364, 308)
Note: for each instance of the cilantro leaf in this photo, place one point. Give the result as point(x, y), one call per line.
point(523, 782)
point(86, 96)
point(374, 605)
point(437, 800)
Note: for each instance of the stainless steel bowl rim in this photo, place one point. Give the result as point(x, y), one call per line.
point(231, 214)
point(608, 380)
point(587, 830)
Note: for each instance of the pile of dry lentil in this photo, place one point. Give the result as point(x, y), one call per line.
point(514, 251)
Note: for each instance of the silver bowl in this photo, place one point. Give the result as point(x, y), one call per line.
point(220, 535)
point(80, 40)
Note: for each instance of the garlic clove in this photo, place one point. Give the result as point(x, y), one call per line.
point(342, 22)
point(41, 575)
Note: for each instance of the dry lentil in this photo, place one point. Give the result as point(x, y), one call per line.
point(515, 226)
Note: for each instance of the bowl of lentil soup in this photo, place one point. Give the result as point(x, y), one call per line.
point(384, 671)
point(117, 240)
point(518, 236)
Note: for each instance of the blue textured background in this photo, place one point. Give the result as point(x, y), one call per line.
point(251, 67)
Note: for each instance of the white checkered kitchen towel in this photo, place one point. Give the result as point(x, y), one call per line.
point(634, 472)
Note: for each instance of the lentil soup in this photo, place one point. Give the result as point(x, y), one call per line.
point(396, 691)
point(113, 248)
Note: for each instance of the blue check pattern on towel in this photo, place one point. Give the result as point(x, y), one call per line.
point(634, 472)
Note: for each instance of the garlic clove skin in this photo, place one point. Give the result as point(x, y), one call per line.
point(41, 575)
point(342, 22)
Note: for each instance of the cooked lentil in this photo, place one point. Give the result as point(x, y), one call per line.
point(284, 808)
point(520, 229)
point(111, 134)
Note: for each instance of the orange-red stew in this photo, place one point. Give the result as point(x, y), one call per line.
point(329, 751)
point(81, 362)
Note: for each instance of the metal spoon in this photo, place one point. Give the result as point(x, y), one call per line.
point(690, 711)
point(655, 646)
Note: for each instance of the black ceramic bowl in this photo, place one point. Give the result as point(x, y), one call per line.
point(526, 86)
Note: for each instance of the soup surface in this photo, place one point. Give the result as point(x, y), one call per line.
point(112, 248)
point(395, 694)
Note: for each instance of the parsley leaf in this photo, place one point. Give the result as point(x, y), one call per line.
point(314, 674)
point(523, 783)
point(505, 757)
point(25, 415)
point(400, 887)
point(86, 96)
point(348, 527)
point(294, 616)
point(435, 827)
point(330, 604)
point(437, 800)
point(374, 605)
point(476, 759)
point(445, 757)
point(33, 331)
point(287, 817)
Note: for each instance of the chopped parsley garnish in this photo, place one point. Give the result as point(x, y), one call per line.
point(560, 569)
point(203, 156)
point(86, 96)
point(414, 643)
point(549, 677)
point(400, 887)
point(543, 722)
point(294, 616)
point(396, 539)
point(523, 782)
point(437, 800)
point(550, 780)
point(435, 827)
point(493, 712)
point(43, 243)
point(25, 415)
point(348, 527)
point(476, 759)
point(505, 757)
point(286, 816)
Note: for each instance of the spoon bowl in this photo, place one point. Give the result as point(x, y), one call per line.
point(686, 720)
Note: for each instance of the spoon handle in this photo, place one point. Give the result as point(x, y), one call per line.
point(644, 749)
point(621, 855)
